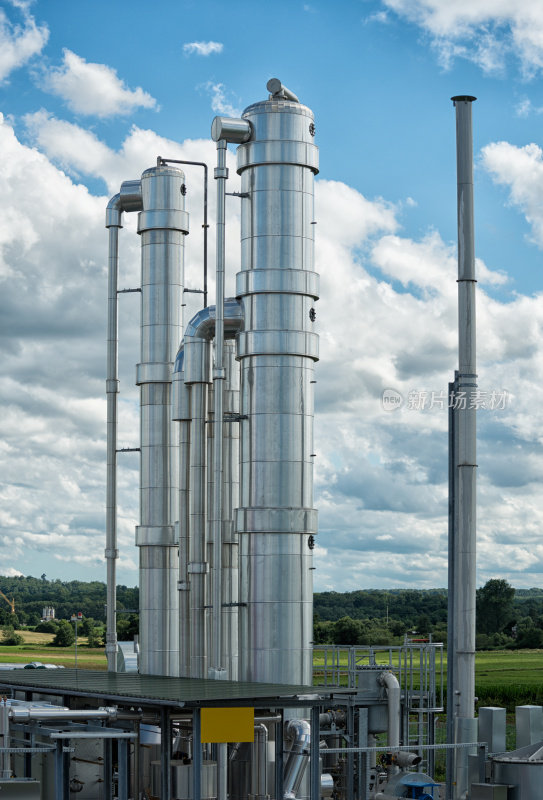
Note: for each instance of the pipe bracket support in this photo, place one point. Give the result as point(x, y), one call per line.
point(259, 153)
point(279, 342)
point(155, 536)
point(276, 520)
point(111, 553)
point(112, 386)
point(158, 372)
point(277, 281)
point(198, 568)
point(163, 219)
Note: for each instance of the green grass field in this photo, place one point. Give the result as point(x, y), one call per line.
point(37, 647)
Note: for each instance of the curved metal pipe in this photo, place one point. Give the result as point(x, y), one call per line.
point(128, 199)
point(202, 325)
point(298, 756)
point(390, 681)
point(260, 763)
point(278, 91)
point(198, 335)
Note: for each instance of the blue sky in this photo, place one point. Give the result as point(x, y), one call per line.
point(92, 92)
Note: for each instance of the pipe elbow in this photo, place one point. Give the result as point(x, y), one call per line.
point(113, 212)
point(202, 325)
point(180, 389)
point(129, 198)
point(389, 680)
point(300, 731)
point(179, 364)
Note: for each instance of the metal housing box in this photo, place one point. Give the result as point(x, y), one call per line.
point(492, 728)
point(488, 791)
point(529, 725)
point(15, 788)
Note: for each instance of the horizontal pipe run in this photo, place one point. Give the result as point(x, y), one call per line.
point(30, 714)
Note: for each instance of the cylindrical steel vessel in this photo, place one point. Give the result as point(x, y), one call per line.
point(277, 349)
point(522, 770)
point(162, 224)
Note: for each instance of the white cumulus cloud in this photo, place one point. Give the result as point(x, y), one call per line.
point(202, 48)
point(96, 89)
point(483, 31)
point(220, 102)
point(387, 318)
point(521, 170)
point(19, 42)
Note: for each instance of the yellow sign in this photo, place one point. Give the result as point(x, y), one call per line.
point(228, 724)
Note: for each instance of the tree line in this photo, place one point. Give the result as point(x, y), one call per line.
point(505, 617)
point(30, 596)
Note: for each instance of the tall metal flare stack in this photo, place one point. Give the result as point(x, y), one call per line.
point(461, 722)
point(230, 486)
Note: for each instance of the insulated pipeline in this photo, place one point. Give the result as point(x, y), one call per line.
point(113, 222)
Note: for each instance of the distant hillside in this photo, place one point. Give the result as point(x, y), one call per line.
point(403, 605)
point(32, 594)
point(403, 609)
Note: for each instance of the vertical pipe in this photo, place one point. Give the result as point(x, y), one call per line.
point(59, 772)
point(259, 766)
point(206, 226)
point(184, 526)
point(5, 756)
point(221, 175)
point(122, 791)
point(113, 223)
point(198, 565)
point(451, 622)
point(465, 434)
point(314, 755)
point(230, 567)
point(182, 414)
point(165, 754)
point(196, 755)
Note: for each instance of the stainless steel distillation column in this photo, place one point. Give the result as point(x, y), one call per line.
point(277, 349)
point(163, 224)
point(461, 723)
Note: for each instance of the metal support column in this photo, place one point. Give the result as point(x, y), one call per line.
point(165, 755)
point(123, 769)
point(279, 766)
point(314, 754)
point(108, 770)
point(59, 772)
point(363, 758)
point(350, 754)
point(196, 755)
